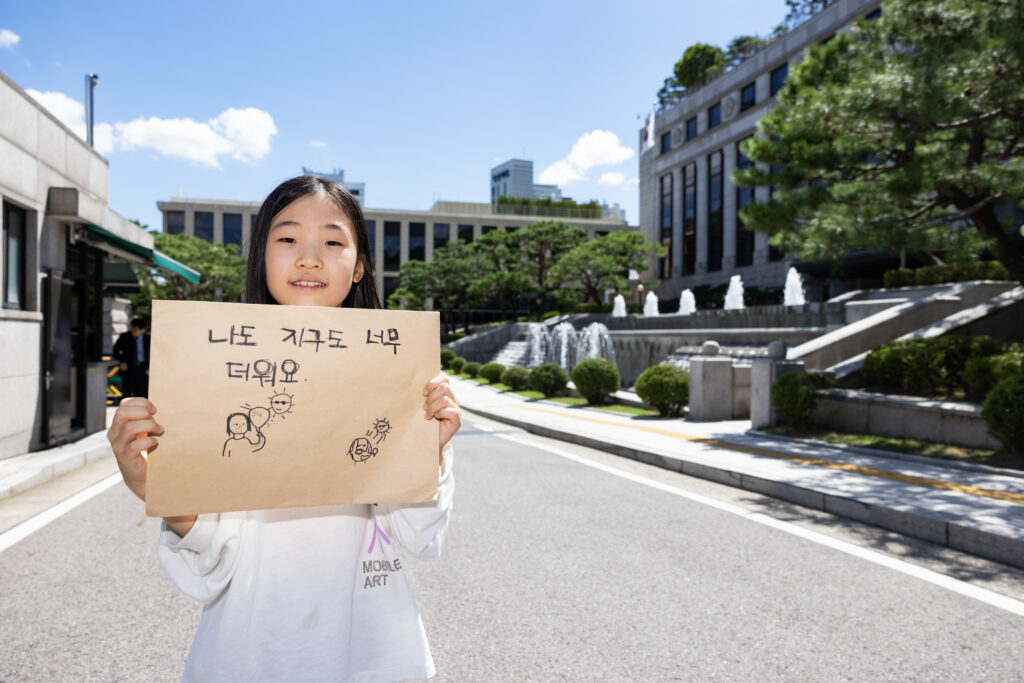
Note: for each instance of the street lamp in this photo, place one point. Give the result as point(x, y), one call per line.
point(91, 81)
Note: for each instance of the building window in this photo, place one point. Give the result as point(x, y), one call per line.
point(691, 128)
point(714, 115)
point(665, 262)
point(689, 219)
point(233, 229)
point(175, 222)
point(371, 236)
point(390, 283)
point(417, 241)
point(466, 233)
point(392, 246)
point(15, 232)
point(204, 225)
point(744, 195)
point(874, 14)
point(779, 78)
point(487, 228)
point(511, 228)
point(441, 232)
point(715, 186)
point(748, 96)
point(666, 142)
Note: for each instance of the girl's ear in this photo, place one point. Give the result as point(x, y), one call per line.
point(357, 274)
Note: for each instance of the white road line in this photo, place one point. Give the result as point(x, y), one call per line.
point(941, 580)
point(33, 524)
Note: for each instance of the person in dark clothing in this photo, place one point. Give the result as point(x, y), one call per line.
point(132, 352)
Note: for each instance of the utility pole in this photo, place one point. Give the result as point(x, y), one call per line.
point(91, 81)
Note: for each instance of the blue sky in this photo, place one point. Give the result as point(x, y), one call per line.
point(223, 100)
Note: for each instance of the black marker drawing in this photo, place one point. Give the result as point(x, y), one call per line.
point(281, 403)
point(245, 430)
point(379, 430)
point(361, 450)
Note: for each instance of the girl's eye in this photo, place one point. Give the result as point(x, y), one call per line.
point(334, 243)
point(288, 240)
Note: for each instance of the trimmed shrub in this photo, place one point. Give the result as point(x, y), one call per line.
point(516, 378)
point(796, 395)
point(948, 272)
point(595, 379)
point(901, 277)
point(457, 364)
point(550, 314)
point(665, 387)
point(471, 368)
point(492, 372)
point(591, 307)
point(1003, 411)
point(549, 379)
point(923, 365)
point(447, 355)
point(983, 372)
point(449, 338)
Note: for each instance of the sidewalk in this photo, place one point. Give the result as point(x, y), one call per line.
point(972, 508)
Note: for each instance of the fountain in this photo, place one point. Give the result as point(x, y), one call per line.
point(687, 304)
point(793, 295)
point(593, 342)
point(619, 307)
point(563, 348)
point(540, 341)
point(734, 295)
point(651, 304)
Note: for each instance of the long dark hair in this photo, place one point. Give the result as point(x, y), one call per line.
point(363, 293)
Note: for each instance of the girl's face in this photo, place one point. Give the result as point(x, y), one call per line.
point(311, 253)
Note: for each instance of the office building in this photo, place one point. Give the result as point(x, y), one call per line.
point(514, 178)
point(358, 190)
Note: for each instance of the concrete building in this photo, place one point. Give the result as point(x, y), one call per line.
point(687, 200)
point(514, 178)
point(397, 235)
point(62, 249)
point(358, 190)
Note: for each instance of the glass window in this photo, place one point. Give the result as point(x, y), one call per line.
point(779, 78)
point(175, 222)
point(748, 96)
point(390, 283)
point(874, 14)
point(691, 128)
point(441, 232)
point(744, 195)
point(665, 263)
point(15, 232)
point(392, 245)
point(714, 115)
point(417, 241)
point(466, 233)
point(690, 219)
point(233, 229)
point(487, 228)
point(511, 228)
point(371, 236)
point(204, 225)
point(715, 186)
point(666, 142)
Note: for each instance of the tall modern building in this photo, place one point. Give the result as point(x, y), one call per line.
point(514, 178)
point(687, 200)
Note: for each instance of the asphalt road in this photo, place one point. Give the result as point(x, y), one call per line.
point(554, 570)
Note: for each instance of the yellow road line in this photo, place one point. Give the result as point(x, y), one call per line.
point(781, 455)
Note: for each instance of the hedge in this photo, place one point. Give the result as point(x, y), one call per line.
point(595, 379)
point(447, 355)
point(796, 395)
point(516, 378)
point(492, 372)
point(665, 387)
point(549, 379)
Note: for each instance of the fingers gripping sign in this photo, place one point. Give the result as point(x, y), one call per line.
point(440, 404)
point(132, 436)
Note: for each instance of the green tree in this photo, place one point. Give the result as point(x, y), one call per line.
point(448, 278)
point(899, 135)
point(699, 64)
point(741, 48)
point(541, 244)
point(603, 263)
point(414, 287)
point(221, 273)
point(802, 10)
point(503, 275)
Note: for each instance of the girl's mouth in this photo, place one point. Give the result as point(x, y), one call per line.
point(308, 284)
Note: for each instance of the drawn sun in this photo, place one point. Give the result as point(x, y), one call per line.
point(281, 403)
point(381, 427)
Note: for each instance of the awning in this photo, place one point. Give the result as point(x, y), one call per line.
point(141, 253)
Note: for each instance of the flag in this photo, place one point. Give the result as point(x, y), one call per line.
point(647, 134)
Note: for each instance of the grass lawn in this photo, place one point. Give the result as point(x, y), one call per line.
point(931, 449)
point(613, 408)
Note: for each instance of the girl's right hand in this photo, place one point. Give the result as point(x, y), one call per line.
point(134, 417)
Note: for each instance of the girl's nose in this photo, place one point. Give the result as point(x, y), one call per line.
point(309, 257)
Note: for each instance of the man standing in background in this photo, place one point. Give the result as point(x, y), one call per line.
point(132, 351)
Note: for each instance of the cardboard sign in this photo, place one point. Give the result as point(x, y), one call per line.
point(286, 406)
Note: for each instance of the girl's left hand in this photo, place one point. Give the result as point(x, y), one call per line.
point(440, 405)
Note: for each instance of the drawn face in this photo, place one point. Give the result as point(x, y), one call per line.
point(281, 403)
point(311, 253)
point(361, 450)
point(238, 424)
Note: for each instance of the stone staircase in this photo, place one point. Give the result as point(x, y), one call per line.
point(515, 352)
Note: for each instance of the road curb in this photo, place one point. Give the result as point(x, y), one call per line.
point(935, 529)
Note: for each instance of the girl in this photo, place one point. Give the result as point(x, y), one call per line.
point(306, 593)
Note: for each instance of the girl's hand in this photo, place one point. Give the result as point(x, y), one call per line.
point(133, 431)
point(441, 405)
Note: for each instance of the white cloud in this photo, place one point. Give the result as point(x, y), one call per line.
point(612, 178)
point(596, 148)
point(242, 134)
point(317, 143)
point(8, 38)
